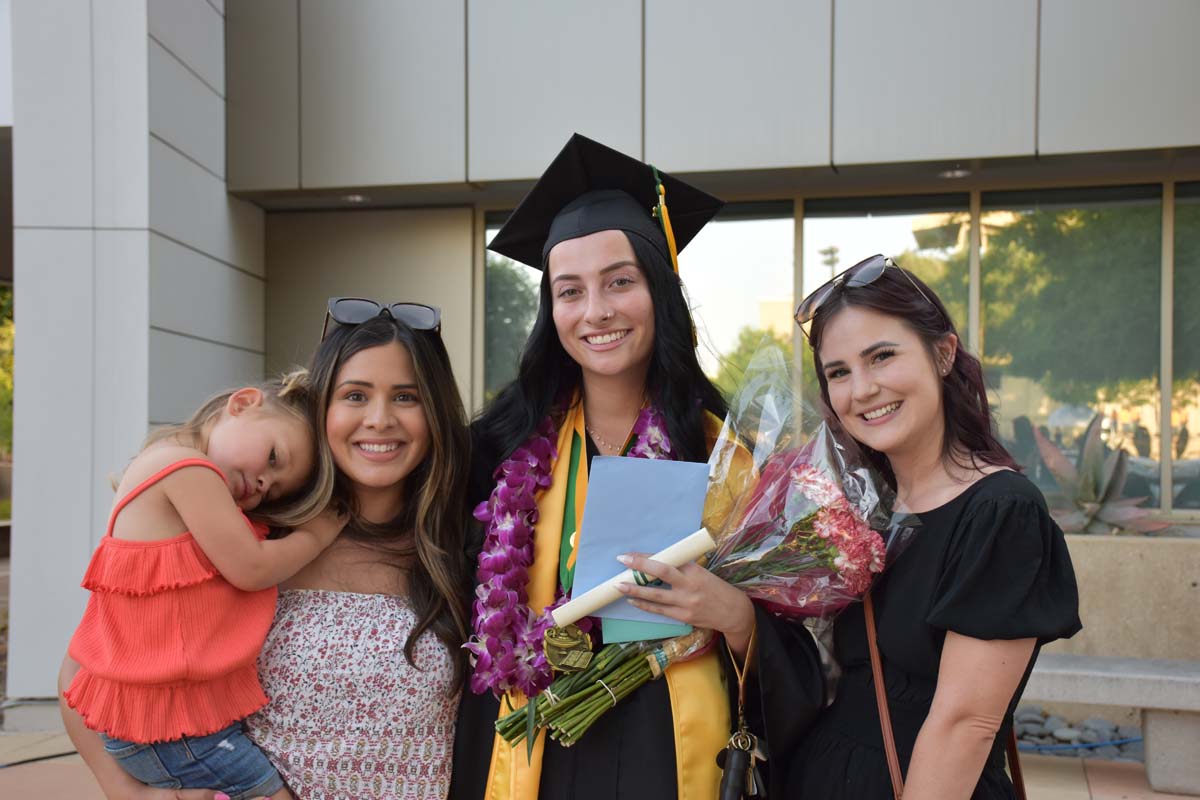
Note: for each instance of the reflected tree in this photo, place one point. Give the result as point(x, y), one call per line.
point(512, 303)
point(1071, 300)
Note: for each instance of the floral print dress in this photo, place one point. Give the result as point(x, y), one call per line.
point(348, 716)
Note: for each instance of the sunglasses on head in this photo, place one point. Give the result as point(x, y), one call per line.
point(861, 274)
point(356, 311)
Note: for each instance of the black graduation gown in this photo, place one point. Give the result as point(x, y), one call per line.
point(630, 751)
point(990, 564)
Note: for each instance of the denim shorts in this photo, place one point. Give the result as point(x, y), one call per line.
point(225, 761)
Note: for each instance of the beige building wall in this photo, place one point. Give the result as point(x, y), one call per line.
point(422, 256)
point(1137, 597)
point(376, 93)
point(207, 315)
point(1117, 74)
point(541, 70)
point(730, 89)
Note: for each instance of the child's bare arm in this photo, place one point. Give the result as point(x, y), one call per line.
point(203, 502)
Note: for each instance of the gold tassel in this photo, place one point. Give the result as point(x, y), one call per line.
point(664, 218)
point(666, 223)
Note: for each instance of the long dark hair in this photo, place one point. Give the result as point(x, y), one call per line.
point(547, 375)
point(427, 539)
point(969, 436)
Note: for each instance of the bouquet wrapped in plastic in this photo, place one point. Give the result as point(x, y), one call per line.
point(802, 525)
point(816, 527)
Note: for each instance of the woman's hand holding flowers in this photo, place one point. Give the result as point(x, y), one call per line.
point(695, 597)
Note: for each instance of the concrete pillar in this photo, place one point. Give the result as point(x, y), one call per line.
point(139, 281)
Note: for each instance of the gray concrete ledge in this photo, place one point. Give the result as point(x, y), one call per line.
point(1135, 682)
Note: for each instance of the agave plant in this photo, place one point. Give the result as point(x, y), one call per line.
point(1093, 487)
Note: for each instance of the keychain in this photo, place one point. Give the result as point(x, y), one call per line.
point(741, 777)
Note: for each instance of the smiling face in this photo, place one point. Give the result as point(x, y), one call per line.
point(601, 302)
point(375, 423)
point(265, 452)
point(883, 384)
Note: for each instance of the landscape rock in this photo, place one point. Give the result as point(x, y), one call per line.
point(1029, 714)
point(1100, 725)
point(1134, 750)
point(1067, 734)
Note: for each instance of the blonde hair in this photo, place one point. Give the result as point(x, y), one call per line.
point(290, 394)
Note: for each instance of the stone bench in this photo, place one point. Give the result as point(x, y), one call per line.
point(1167, 692)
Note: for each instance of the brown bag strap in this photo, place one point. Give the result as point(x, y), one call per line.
point(885, 718)
point(1014, 765)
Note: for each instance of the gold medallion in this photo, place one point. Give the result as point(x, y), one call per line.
point(567, 649)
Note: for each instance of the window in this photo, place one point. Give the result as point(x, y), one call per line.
point(1185, 394)
point(511, 304)
point(737, 274)
point(1071, 309)
point(926, 234)
point(1070, 304)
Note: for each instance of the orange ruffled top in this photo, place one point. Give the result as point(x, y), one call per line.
point(167, 647)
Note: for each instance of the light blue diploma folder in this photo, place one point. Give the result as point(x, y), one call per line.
point(635, 505)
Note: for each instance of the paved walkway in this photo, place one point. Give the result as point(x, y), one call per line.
point(1047, 777)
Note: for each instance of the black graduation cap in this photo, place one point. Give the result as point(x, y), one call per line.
point(590, 188)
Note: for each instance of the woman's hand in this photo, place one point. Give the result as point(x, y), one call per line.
point(696, 597)
point(115, 782)
point(150, 793)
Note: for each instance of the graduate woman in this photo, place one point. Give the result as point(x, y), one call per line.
point(610, 369)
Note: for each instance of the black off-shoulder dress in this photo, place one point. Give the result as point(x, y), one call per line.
point(990, 564)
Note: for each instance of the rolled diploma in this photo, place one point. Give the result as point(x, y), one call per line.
point(682, 552)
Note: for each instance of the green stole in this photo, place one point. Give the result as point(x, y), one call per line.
point(699, 702)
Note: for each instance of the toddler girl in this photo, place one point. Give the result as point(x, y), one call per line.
point(183, 591)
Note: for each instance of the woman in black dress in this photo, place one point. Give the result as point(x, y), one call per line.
point(986, 582)
point(613, 340)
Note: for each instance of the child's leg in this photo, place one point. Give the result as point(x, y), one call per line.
point(282, 794)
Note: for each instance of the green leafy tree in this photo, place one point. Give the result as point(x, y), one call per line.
point(512, 303)
point(1071, 300)
point(948, 276)
point(733, 364)
point(750, 340)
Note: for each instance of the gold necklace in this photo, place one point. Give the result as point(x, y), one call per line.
point(600, 440)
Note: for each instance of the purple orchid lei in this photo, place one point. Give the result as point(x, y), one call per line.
point(506, 648)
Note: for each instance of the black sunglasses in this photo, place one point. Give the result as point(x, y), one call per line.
point(861, 274)
point(356, 311)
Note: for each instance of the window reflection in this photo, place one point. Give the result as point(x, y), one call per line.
point(1070, 297)
point(510, 308)
point(1185, 399)
point(737, 273)
point(929, 235)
